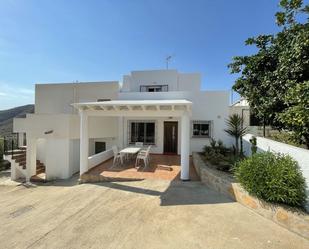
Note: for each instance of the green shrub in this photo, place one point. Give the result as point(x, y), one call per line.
point(219, 155)
point(272, 177)
point(286, 137)
point(216, 147)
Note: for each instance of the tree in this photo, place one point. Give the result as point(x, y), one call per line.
point(281, 64)
point(235, 129)
point(296, 116)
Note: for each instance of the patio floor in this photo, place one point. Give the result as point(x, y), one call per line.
point(164, 167)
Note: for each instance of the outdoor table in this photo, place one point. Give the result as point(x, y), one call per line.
point(130, 150)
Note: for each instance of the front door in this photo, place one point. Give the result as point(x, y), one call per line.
point(170, 137)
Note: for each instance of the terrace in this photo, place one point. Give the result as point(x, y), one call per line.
point(164, 167)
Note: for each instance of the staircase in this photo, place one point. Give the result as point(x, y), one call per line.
point(18, 156)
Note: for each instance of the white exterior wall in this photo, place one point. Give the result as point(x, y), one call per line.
point(189, 82)
point(155, 77)
point(207, 106)
point(211, 106)
point(62, 158)
point(67, 126)
point(264, 144)
point(57, 159)
point(109, 142)
point(159, 131)
point(175, 81)
point(57, 98)
point(59, 151)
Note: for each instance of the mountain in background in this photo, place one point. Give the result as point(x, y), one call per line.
point(6, 117)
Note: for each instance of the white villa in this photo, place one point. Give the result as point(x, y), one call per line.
point(75, 125)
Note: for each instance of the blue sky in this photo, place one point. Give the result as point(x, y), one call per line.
point(45, 41)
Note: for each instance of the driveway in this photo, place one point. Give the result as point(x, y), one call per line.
point(137, 214)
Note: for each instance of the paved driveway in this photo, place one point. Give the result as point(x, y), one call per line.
point(139, 214)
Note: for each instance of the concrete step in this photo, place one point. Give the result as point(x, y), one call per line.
point(41, 177)
point(19, 156)
point(20, 159)
point(14, 152)
point(23, 148)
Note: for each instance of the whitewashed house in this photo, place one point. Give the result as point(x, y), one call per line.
point(76, 124)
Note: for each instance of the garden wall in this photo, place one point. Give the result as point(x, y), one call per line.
point(294, 220)
point(265, 144)
point(96, 159)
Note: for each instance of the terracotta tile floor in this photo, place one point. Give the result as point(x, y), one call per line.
point(166, 167)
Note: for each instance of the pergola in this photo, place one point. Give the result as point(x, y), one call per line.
point(137, 108)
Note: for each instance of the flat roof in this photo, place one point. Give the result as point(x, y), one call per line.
point(78, 83)
point(136, 102)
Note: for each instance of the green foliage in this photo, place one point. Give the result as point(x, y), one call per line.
point(235, 128)
point(286, 137)
point(217, 147)
point(219, 155)
point(296, 115)
point(272, 177)
point(271, 78)
point(290, 7)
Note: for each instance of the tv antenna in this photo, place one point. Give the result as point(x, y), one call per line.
point(167, 60)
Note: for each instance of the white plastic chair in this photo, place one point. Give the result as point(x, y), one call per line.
point(143, 155)
point(117, 156)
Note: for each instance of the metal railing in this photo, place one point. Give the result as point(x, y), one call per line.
point(10, 143)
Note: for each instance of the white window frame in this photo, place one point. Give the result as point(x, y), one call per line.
point(142, 121)
point(210, 125)
point(145, 88)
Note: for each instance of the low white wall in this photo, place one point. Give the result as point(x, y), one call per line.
point(264, 144)
point(99, 158)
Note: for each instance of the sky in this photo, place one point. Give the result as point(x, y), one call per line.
point(48, 41)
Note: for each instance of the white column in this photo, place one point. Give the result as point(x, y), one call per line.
point(20, 139)
point(185, 147)
point(30, 158)
point(84, 142)
point(120, 132)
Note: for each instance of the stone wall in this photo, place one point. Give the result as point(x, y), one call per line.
point(292, 219)
point(219, 181)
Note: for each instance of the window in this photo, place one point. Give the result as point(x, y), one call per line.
point(201, 129)
point(99, 147)
point(142, 131)
point(154, 88)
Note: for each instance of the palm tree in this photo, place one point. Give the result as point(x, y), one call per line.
point(235, 129)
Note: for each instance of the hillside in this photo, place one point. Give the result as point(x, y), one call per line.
point(6, 117)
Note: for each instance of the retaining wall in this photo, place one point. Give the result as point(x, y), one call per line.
point(292, 219)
